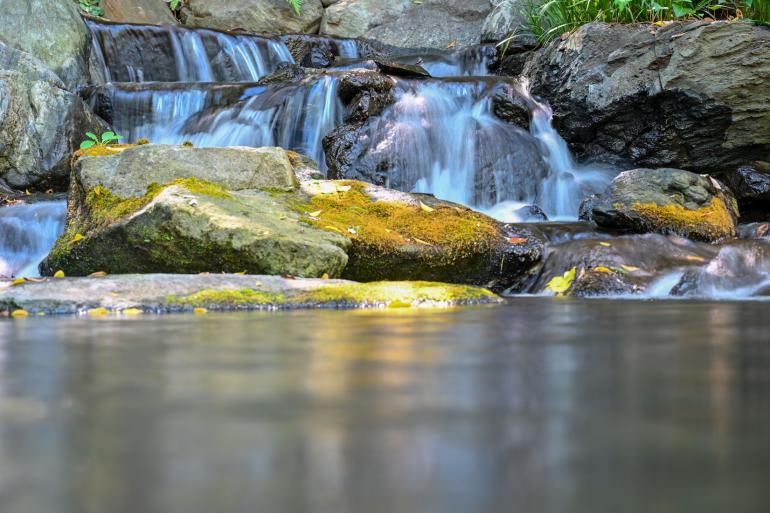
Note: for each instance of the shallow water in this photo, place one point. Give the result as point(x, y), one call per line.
point(541, 405)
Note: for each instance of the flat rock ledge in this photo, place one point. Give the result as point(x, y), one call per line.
point(166, 293)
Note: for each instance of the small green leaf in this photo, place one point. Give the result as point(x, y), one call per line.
point(92, 135)
point(107, 136)
point(86, 144)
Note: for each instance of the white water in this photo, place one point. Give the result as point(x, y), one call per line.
point(27, 233)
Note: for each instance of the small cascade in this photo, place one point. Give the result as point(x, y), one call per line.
point(296, 116)
point(148, 53)
point(471, 62)
point(28, 232)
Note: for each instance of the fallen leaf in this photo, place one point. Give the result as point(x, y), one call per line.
point(315, 214)
point(426, 208)
point(333, 228)
point(19, 281)
point(98, 274)
point(561, 284)
point(325, 276)
point(132, 311)
point(397, 303)
point(36, 280)
point(19, 313)
point(452, 44)
point(605, 244)
point(694, 258)
point(26, 191)
point(629, 268)
point(200, 311)
point(58, 274)
point(420, 241)
point(77, 238)
point(517, 240)
point(242, 273)
point(98, 312)
point(602, 269)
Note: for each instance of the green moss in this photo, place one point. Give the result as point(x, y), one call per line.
point(710, 222)
point(397, 293)
point(235, 298)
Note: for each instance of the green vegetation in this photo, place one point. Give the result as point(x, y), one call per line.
point(297, 5)
point(94, 140)
point(91, 7)
point(551, 18)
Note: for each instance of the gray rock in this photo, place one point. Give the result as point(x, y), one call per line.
point(179, 292)
point(751, 186)
point(507, 18)
point(665, 201)
point(51, 31)
point(428, 24)
point(137, 11)
point(661, 96)
point(257, 16)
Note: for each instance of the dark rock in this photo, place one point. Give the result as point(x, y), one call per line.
point(510, 106)
point(285, 74)
point(665, 201)
point(531, 213)
point(753, 231)
point(751, 186)
point(400, 69)
point(661, 96)
point(353, 82)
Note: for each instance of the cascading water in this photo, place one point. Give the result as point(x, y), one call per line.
point(27, 232)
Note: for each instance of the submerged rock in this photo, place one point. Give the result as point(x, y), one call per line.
point(131, 294)
point(426, 24)
point(41, 123)
point(665, 201)
point(666, 96)
point(257, 16)
point(51, 31)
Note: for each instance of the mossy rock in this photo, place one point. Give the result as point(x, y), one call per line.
point(131, 294)
point(667, 201)
point(401, 236)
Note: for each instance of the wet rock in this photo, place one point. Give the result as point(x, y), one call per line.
point(41, 123)
point(256, 16)
point(137, 11)
point(509, 106)
point(53, 32)
point(400, 69)
point(397, 235)
point(618, 265)
point(531, 213)
point(178, 292)
point(366, 94)
point(660, 96)
point(427, 24)
point(665, 201)
point(186, 210)
point(753, 231)
point(751, 186)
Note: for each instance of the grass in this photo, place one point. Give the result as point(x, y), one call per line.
point(550, 19)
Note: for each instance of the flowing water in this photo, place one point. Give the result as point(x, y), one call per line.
point(541, 406)
point(27, 233)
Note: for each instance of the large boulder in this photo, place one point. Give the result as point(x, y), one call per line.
point(186, 210)
point(53, 32)
point(41, 123)
point(507, 18)
point(397, 236)
point(405, 23)
point(137, 11)
point(751, 186)
point(258, 16)
point(665, 201)
point(132, 294)
point(668, 96)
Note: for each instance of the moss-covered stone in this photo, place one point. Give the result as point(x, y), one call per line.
point(713, 221)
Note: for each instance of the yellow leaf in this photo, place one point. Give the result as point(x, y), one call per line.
point(315, 214)
point(77, 238)
point(98, 274)
point(452, 44)
point(693, 258)
point(602, 269)
point(333, 228)
point(343, 188)
point(58, 274)
point(132, 311)
point(605, 244)
point(420, 241)
point(561, 284)
point(19, 281)
point(397, 303)
point(19, 313)
point(98, 312)
point(200, 311)
point(325, 276)
point(517, 240)
point(242, 273)
point(26, 191)
point(426, 208)
point(629, 268)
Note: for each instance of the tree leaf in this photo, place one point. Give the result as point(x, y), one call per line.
point(58, 274)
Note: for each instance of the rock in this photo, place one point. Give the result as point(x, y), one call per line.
point(428, 24)
point(619, 265)
point(509, 106)
point(751, 186)
point(665, 201)
point(507, 18)
point(400, 69)
point(661, 96)
point(531, 213)
point(137, 11)
point(51, 31)
point(187, 210)
point(41, 123)
point(397, 235)
point(365, 93)
point(753, 231)
point(178, 292)
point(257, 16)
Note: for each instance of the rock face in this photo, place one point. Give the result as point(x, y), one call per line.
point(665, 201)
point(751, 186)
point(258, 16)
point(53, 32)
point(661, 97)
point(137, 11)
point(133, 212)
point(507, 17)
point(41, 123)
point(129, 294)
point(427, 24)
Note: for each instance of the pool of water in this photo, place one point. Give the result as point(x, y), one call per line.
point(541, 405)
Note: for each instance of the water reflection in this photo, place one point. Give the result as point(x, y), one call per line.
point(542, 405)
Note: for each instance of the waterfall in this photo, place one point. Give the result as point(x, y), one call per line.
point(28, 232)
point(147, 53)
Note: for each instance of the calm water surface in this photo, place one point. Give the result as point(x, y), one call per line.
point(537, 406)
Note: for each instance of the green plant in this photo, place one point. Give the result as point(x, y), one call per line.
point(91, 7)
point(174, 4)
point(559, 285)
point(94, 140)
point(296, 5)
point(549, 19)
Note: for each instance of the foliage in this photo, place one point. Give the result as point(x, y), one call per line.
point(548, 19)
point(296, 5)
point(559, 285)
point(94, 140)
point(91, 7)
point(174, 4)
